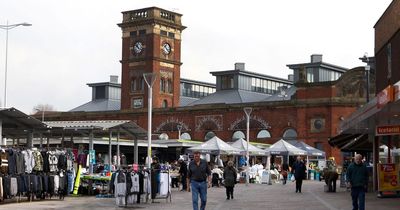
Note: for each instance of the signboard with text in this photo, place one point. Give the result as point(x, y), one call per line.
point(388, 177)
point(387, 130)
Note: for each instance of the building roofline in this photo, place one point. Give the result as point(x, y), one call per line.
point(104, 84)
point(384, 13)
point(198, 82)
point(323, 64)
point(249, 73)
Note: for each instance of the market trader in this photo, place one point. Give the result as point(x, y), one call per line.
point(357, 180)
point(199, 178)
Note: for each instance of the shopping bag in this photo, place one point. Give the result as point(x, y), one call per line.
point(292, 178)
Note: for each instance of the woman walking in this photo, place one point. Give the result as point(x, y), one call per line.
point(230, 175)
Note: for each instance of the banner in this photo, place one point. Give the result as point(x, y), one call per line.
point(92, 156)
point(388, 177)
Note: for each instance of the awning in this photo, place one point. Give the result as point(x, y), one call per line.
point(351, 142)
point(16, 124)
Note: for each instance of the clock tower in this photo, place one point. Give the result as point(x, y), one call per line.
point(151, 43)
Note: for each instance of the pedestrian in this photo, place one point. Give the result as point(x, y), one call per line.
point(183, 173)
point(357, 180)
point(230, 177)
point(198, 178)
point(285, 169)
point(299, 171)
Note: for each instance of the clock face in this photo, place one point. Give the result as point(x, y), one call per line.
point(137, 47)
point(166, 48)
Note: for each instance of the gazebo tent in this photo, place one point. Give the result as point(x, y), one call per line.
point(241, 144)
point(215, 146)
point(282, 147)
point(311, 151)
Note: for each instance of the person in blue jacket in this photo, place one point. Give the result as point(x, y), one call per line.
point(357, 180)
point(299, 171)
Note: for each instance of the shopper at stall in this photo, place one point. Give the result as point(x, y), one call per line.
point(199, 177)
point(299, 171)
point(230, 176)
point(357, 180)
point(284, 172)
point(183, 173)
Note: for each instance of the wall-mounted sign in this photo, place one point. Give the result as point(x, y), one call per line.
point(385, 96)
point(388, 177)
point(387, 130)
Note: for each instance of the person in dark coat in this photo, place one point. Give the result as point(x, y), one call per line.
point(230, 175)
point(299, 171)
point(285, 169)
point(357, 180)
point(183, 173)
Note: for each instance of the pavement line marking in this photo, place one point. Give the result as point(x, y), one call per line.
point(326, 204)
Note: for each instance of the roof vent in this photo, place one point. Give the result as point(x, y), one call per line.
point(316, 58)
point(239, 66)
point(114, 79)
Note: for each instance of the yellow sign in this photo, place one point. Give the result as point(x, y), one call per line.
point(389, 179)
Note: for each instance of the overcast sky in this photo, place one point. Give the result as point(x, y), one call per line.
point(75, 42)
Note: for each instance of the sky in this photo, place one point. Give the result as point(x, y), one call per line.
point(75, 42)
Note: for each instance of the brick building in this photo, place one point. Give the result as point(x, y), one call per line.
point(308, 106)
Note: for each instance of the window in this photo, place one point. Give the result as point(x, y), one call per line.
point(162, 85)
point(100, 92)
point(238, 135)
point(310, 75)
point(142, 32)
point(185, 136)
point(133, 85)
point(133, 33)
point(263, 134)
point(141, 86)
point(169, 86)
point(290, 134)
point(163, 33)
point(164, 104)
point(163, 136)
point(209, 135)
point(227, 82)
point(171, 35)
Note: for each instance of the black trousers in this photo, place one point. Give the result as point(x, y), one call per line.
point(184, 182)
point(229, 192)
point(299, 182)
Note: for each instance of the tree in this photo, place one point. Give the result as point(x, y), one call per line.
point(42, 108)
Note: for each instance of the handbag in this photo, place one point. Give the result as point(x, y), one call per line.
point(292, 178)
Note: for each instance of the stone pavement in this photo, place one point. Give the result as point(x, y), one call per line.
point(252, 197)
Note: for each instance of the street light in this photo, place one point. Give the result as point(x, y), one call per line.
point(149, 78)
point(247, 111)
point(367, 68)
point(7, 28)
point(179, 126)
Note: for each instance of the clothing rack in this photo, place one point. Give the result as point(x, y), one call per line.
point(168, 196)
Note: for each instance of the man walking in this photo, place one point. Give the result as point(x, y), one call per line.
point(199, 178)
point(357, 180)
point(299, 171)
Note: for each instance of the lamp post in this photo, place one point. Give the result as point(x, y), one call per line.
point(179, 126)
point(7, 28)
point(149, 78)
point(247, 111)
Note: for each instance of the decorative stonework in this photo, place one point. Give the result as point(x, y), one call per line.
point(171, 125)
point(242, 120)
point(214, 121)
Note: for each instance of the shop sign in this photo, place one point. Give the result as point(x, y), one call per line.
point(396, 90)
point(388, 177)
point(385, 96)
point(387, 130)
point(92, 156)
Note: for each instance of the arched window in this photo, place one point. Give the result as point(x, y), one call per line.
point(263, 134)
point(209, 135)
point(169, 86)
point(186, 136)
point(164, 104)
point(237, 135)
point(290, 133)
point(163, 136)
point(133, 85)
point(162, 85)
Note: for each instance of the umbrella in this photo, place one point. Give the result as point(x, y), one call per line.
point(282, 147)
point(215, 146)
point(241, 144)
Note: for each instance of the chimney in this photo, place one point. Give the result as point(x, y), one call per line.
point(291, 77)
point(114, 79)
point(316, 58)
point(239, 66)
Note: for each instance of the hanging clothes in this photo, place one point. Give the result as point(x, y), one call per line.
point(120, 188)
point(165, 180)
point(4, 161)
point(20, 162)
point(29, 160)
point(12, 162)
point(38, 161)
point(53, 161)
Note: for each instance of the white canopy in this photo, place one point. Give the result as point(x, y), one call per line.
point(282, 147)
point(215, 146)
point(241, 144)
